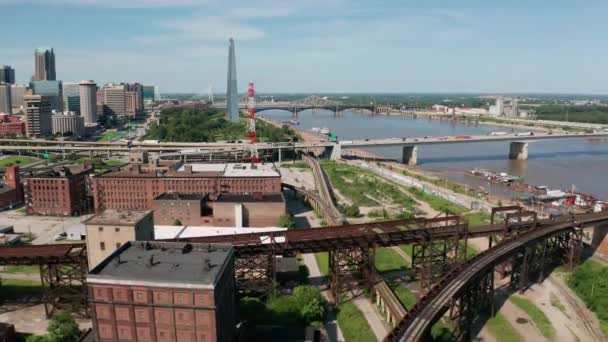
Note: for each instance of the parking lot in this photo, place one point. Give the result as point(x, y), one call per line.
point(44, 228)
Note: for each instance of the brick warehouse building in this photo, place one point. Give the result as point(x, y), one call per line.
point(61, 191)
point(11, 192)
point(137, 185)
point(164, 291)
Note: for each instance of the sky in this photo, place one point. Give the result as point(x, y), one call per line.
point(318, 46)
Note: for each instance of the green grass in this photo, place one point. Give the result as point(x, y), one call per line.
point(21, 269)
point(446, 184)
point(114, 163)
point(16, 288)
point(589, 281)
point(388, 260)
point(357, 184)
point(323, 262)
point(353, 324)
point(110, 135)
point(405, 295)
point(540, 319)
point(437, 203)
point(477, 218)
point(502, 329)
point(296, 165)
point(15, 161)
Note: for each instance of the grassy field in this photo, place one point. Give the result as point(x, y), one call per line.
point(353, 324)
point(15, 160)
point(110, 135)
point(477, 218)
point(388, 260)
point(405, 295)
point(21, 269)
point(540, 319)
point(323, 262)
point(363, 188)
point(589, 281)
point(16, 288)
point(113, 163)
point(457, 188)
point(437, 203)
point(500, 328)
point(296, 165)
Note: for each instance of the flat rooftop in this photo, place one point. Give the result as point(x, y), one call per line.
point(162, 232)
point(267, 198)
point(164, 264)
point(118, 217)
point(199, 170)
point(178, 197)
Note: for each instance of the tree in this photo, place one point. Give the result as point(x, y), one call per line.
point(351, 211)
point(177, 222)
point(313, 306)
point(62, 328)
point(287, 221)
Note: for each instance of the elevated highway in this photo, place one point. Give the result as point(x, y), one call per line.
point(518, 147)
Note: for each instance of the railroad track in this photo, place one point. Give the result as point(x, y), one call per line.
point(433, 306)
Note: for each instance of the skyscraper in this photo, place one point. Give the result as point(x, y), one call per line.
point(38, 120)
point(232, 95)
point(51, 89)
point(88, 101)
point(115, 100)
point(5, 98)
point(45, 64)
point(17, 93)
point(71, 97)
point(7, 74)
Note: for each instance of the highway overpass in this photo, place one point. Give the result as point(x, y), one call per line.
point(518, 145)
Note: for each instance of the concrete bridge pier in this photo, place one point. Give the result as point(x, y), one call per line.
point(410, 155)
point(294, 113)
point(335, 151)
point(518, 150)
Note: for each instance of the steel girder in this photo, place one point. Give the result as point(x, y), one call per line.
point(350, 270)
point(64, 287)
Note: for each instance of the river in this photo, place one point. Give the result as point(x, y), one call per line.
point(582, 163)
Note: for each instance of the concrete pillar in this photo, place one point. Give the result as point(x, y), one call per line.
point(280, 156)
point(336, 152)
point(518, 150)
point(90, 154)
point(63, 154)
point(410, 155)
point(109, 153)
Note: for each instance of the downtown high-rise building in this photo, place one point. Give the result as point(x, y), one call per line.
point(45, 64)
point(38, 120)
point(68, 123)
point(6, 104)
point(71, 97)
point(18, 91)
point(7, 74)
point(88, 101)
point(52, 89)
point(115, 101)
point(232, 95)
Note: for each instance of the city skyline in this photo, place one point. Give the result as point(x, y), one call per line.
point(331, 46)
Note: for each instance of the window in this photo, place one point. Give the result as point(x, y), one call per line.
point(139, 295)
point(117, 229)
point(102, 246)
point(180, 316)
point(117, 245)
point(101, 229)
point(180, 298)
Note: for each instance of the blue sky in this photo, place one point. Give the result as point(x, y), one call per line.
point(318, 45)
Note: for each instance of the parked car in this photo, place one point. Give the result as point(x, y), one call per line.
point(61, 236)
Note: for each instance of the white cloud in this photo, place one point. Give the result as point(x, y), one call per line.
point(212, 28)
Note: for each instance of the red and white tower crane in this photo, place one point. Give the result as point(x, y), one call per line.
point(254, 157)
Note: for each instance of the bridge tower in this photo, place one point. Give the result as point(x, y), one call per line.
point(251, 127)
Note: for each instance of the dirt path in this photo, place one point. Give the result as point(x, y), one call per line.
point(580, 320)
point(522, 323)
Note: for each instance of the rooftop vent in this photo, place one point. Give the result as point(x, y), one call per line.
point(187, 248)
